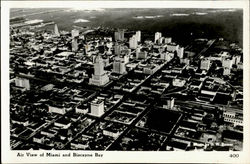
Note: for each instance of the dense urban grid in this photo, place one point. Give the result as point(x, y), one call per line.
point(113, 89)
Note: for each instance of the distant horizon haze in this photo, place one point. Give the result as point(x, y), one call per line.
point(179, 23)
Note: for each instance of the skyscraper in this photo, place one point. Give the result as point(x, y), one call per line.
point(97, 107)
point(119, 35)
point(138, 36)
point(74, 33)
point(56, 31)
point(133, 42)
point(119, 65)
point(180, 52)
point(99, 77)
point(74, 45)
point(117, 49)
point(157, 36)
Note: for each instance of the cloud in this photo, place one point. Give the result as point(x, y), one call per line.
point(200, 13)
point(33, 21)
point(148, 17)
point(180, 14)
point(81, 21)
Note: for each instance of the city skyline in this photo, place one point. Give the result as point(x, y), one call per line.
point(170, 21)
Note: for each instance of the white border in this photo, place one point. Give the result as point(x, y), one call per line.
point(122, 157)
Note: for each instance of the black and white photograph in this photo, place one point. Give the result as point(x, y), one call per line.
point(125, 79)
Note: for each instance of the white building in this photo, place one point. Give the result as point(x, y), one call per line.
point(111, 132)
point(150, 69)
point(117, 49)
point(63, 123)
point(82, 110)
point(179, 82)
point(180, 52)
point(119, 65)
point(74, 33)
point(138, 36)
point(133, 42)
point(22, 82)
point(158, 35)
point(74, 45)
point(168, 40)
point(119, 35)
point(205, 64)
point(231, 116)
point(97, 107)
point(227, 63)
point(172, 47)
point(99, 77)
point(60, 110)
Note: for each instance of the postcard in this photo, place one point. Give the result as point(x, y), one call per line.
point(125, 81)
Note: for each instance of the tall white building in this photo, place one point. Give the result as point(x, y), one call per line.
point(74, 45)
point(158, 35)
point(56, 31)
point(99, 77)
point(119, 65)
point(74, 33)
point(97, 107)
point(138, 36)
point(22, 82)
point(119, 35)
point(133, 42)
point(180, 52)
point(117, 49)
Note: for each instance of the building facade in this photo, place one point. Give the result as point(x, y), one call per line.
point(99, 78)
point(97, 108)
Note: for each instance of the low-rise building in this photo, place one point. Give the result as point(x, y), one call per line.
point(179, 82)
point(97, 107)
